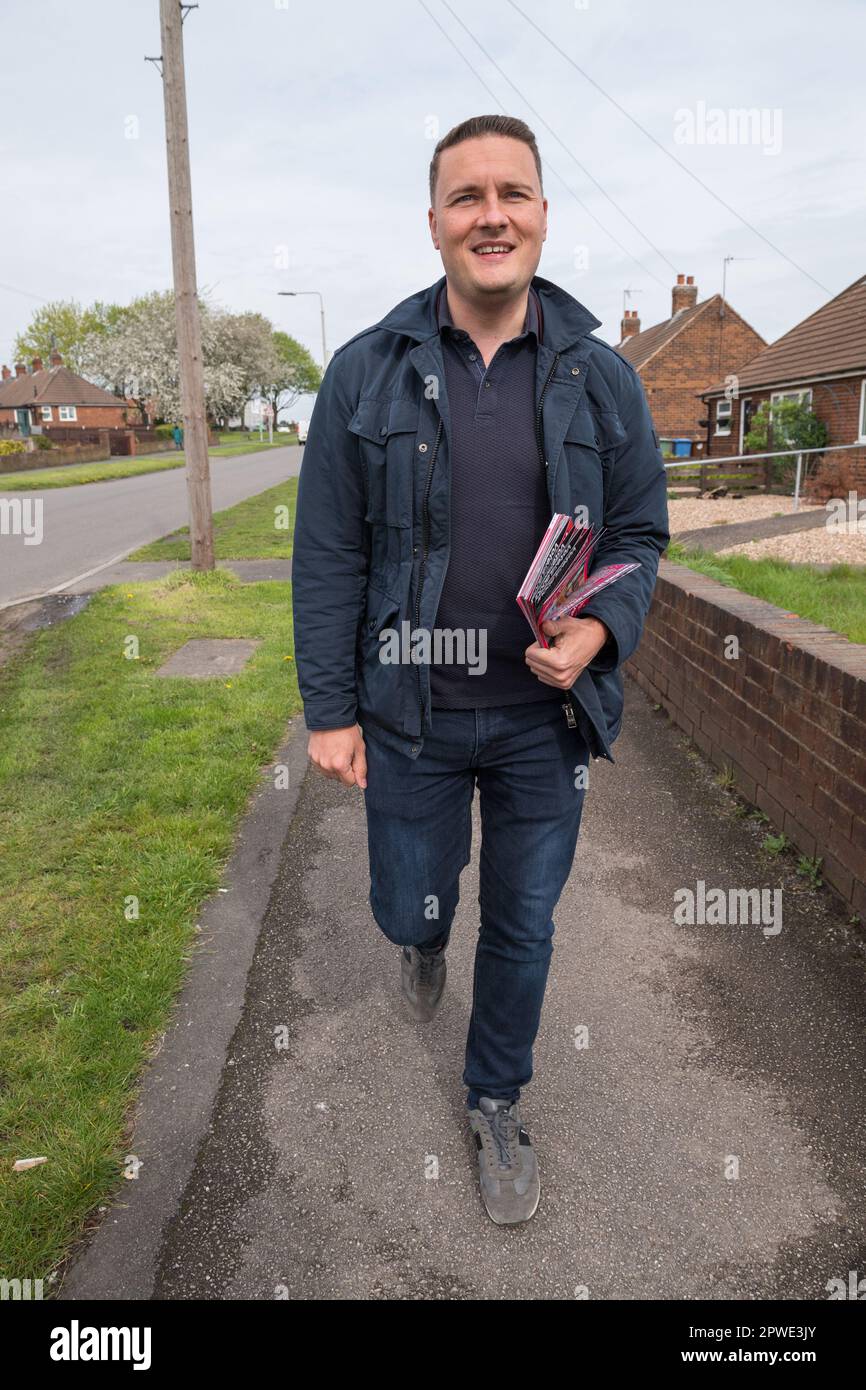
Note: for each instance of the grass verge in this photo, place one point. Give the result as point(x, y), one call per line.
point(836, 598)
point(119, 792)
point(261, 527)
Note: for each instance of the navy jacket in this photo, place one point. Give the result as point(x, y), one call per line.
point(372, 524)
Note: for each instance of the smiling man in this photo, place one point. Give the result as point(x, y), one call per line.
point(442, 441)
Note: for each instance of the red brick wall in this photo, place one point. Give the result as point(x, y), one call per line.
point(677, 374)
point(788, 715)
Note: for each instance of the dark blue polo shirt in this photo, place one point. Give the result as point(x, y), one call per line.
point(499, 513)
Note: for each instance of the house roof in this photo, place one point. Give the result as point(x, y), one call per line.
point(829, 343)
point(54, 386)
point(642, 346)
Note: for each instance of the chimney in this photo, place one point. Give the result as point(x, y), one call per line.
point(55, 359)
point(684, 294)
point(36, 364)
point(20, 369)
point(6, 372)
point(630, 325)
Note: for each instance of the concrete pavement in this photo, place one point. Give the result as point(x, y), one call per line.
point(713, 538)
point(709, 1142)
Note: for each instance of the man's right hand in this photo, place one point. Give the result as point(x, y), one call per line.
point(340, 753)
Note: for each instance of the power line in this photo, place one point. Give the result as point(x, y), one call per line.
point(568, 151)
point(695, 177)
point(631, 256)
point(13, 289)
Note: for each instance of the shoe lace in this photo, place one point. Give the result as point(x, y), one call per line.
point(427, 964)
point(505, 1127)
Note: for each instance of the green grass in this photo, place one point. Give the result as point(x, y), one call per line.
point(836, 598)
point(235, 436)
point(102, 470)
point(114, 785)
point(246, 531)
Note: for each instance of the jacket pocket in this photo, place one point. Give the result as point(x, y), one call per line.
point(380, 611)
point(590, 442)
point(386, 431)
point(379, 681)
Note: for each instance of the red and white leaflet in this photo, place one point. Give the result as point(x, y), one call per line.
point(558, 582)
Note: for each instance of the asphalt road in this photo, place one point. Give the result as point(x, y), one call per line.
point(86, 527)
point(708, 1143)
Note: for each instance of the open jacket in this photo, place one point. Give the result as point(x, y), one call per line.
point(371, 533)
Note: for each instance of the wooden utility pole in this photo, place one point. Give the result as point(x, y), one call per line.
point(185, 288)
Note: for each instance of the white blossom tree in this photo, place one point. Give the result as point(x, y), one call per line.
point(138, 356)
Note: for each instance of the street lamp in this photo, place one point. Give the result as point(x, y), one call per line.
point(293, 294)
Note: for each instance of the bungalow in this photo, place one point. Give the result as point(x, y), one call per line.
point(55, 396)
point(675, 359)
point(821, 361)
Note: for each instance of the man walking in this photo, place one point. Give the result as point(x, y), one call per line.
point(442, 441)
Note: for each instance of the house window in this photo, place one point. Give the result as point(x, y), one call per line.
point(47, 413)
point(801, 397)
point(723, 417)
point(67, 412)
point(863, 408)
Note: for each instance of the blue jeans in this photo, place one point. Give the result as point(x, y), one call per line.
point(530, 768)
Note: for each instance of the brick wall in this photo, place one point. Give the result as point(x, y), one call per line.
point(787, 715)
point(81, 453)
point(703, 353)
point(50, 458)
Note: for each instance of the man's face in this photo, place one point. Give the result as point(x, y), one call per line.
point(488, 194)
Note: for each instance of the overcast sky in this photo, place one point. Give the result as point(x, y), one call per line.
point(312, 127)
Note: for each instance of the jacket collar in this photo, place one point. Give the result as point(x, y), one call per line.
point(532, 322)
point(566, 320)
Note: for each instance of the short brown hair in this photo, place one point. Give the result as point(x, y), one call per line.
point(509, 126)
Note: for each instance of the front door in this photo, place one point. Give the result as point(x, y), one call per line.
point(23, 421)
point(746, 413)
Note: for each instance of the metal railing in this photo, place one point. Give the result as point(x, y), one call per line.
point(773, 454)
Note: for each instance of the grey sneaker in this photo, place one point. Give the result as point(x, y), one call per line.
point(507, 1166)
point(423, 975)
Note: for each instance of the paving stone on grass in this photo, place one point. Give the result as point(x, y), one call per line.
point(210, 656)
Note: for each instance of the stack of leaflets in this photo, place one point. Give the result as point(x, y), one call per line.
point(558, 583)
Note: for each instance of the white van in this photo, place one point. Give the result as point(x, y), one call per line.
point(303, 426)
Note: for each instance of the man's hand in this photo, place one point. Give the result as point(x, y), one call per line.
point(575, 641)
point(340, 754)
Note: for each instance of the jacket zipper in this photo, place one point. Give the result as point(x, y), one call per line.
point(539, 437)
point(425, 545)
point(567, 707)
